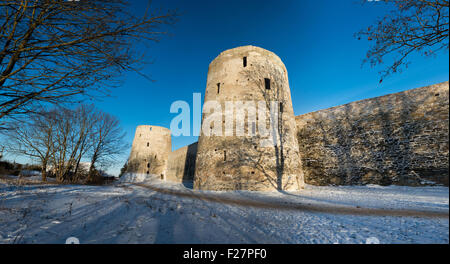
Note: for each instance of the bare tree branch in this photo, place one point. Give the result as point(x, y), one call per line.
point(56, 51)
point(412, 26)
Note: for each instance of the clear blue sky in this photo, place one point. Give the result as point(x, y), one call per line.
point(314, 38)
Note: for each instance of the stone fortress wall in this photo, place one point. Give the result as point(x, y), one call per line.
point(399, 138)
point(181, 164)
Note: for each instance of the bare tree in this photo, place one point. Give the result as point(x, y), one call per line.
point(107, 141)
point(71, 135)
point(62, 138)
point(83, 119)
point(34, 139)
point(412, 26)
point(56, 51)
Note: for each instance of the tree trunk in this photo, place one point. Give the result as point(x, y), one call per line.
point(93, 161)
point(44, 172)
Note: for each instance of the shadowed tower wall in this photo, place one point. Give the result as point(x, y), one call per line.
point(150, 151)
point(250, 162)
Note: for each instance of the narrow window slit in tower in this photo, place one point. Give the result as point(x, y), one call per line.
point(148, 165)
point(148, 144)
point(224, 155)
point(218, 88)
point(245, 61)
point(281, 107)
point(267, 83)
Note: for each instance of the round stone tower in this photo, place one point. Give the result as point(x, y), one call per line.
point(248, 138)
point(150, 151)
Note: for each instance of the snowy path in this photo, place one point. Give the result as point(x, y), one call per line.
point(132, 214)
point(285, 204)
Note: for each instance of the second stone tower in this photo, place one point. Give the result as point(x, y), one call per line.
point(150, 151)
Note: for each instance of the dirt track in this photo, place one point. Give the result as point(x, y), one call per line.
point(278, 205)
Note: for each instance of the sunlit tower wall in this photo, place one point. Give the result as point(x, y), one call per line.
point(150, 151)
point(235, 162)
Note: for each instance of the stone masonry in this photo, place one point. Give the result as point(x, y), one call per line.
point(234, 162)
point(150, 151)
point(399, 138)
point(181, 166)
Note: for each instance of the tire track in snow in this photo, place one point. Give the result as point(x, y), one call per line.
point(277, 205)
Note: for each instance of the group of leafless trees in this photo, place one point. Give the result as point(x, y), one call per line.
point(59, 51)
point(62, 140)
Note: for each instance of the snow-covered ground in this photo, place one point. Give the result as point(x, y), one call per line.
point(160, 212)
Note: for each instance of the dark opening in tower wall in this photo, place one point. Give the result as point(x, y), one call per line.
point(267, 83)
point(218, 88)
point(244, 61)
